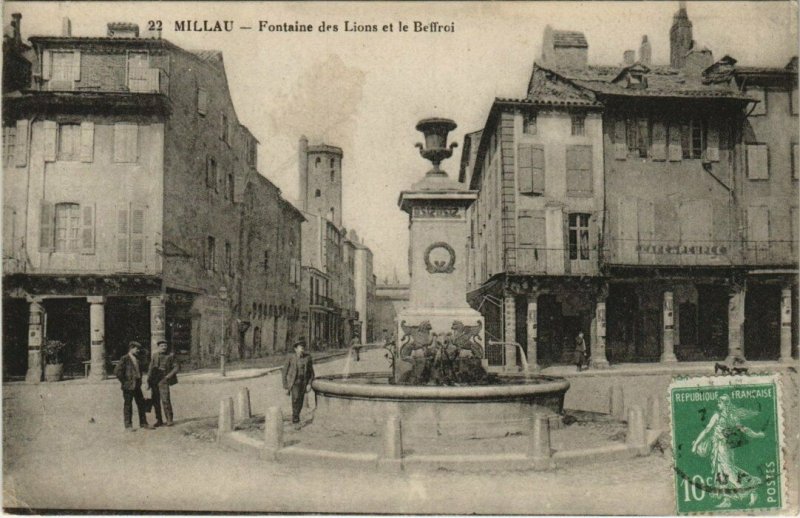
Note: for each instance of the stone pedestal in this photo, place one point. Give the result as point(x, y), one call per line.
point(158, 319)
point(735, 323)
point(97, 326)
point(668, 330)
point(786, 325)
point(35, 341)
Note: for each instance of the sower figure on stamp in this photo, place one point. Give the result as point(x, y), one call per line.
point(297, 377)
point(163, 373)
point(129, 375)
point(580, 351)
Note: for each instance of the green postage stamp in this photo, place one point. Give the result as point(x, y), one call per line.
point(727, 433)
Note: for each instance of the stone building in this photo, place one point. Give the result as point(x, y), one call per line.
point(391, 298)
point(336, 269)
point(123, 205)
point(615, 200)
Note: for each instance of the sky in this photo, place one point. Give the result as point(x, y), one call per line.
point(365, 91)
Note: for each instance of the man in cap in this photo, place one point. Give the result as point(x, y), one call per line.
point(297, 377)
point(129, 374)
point(163, 373)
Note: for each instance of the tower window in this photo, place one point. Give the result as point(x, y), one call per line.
point(333, 162)
point(319, 161)
point(317, 193)
point(333, 176)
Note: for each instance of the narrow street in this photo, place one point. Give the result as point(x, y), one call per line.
point(65, 448)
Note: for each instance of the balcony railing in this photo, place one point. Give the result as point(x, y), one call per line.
point(107, 79)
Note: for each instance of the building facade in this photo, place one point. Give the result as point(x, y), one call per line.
point(639, 204)
point(123, 203)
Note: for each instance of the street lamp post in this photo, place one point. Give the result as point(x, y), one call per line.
point(223, 296)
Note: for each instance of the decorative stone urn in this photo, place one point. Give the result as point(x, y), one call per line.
point(438, 314)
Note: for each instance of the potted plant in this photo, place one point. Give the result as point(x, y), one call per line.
point(54, 360)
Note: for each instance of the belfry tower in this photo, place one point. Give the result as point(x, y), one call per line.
point(321, 180)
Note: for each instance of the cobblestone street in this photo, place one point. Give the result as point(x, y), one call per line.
point(64, 447)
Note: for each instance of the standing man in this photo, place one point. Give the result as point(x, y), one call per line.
point(580, 350)
point(355, 345)
point(163, 373)
point(297, 377)
point(129, 375)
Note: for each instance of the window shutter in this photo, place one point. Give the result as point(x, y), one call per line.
point(537, 163)
point(21, 144)
point(525, 168)
point(50, 134)
point(137, 236)
point(757, 162)
point(87, 141)
point(153, 77)
point(579, 170)
point(620, 144)
point(712, 143)
point(795, 161)
point(46, 224)
point(202, 101)
point(122, 237)
point(760, 95)
point(758, 228)
point(87, 228)
point(794, 101)
point(47, 64)
point(126, 142)
point(76, 65)
point(675, 148)
point(659, 146)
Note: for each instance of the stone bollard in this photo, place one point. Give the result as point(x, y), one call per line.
point(616, 402)
point(225, 424)
point(273, 433)
point(539, 450)
point(653, 413)
point(243, 404)
point(637, 432)
point(392, 458)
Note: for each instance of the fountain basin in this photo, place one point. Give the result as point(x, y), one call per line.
point(362, 403)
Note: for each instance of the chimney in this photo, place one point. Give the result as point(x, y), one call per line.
point(629, 57)
point(66, 27)
point(564, 48)
point(122, 30)
point(680, 37)
point(696, 61)
point(645, 52)
point(16, 23)
point(302, 161)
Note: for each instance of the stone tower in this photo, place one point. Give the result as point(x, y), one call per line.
point(680, 37)
point(320, 170)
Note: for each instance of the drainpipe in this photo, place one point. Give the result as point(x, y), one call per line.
point(28, 139)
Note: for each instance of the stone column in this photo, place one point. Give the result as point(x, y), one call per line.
point(510, 331)
point(533, 329)
point(668, 331)
point(786, 324)
point(97, 332)
point(736, 322)
point(35, 341)
point(598, 345)
point(157, 321)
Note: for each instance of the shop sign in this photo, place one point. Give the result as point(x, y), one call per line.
point(649, 248)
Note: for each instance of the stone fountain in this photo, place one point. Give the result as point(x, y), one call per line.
point(438, 383)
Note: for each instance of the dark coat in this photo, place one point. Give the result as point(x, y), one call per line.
point(163, 368)
point(127, 374)
point(298, 369)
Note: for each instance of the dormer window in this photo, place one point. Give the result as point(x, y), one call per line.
point(578, 124)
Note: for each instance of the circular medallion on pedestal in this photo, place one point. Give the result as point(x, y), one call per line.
point(440, 258)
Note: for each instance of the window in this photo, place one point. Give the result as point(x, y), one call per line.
point(757, 162)
point(231, 190)
point(531, 169)
point(211, 173)
point(638, 131)
point(69, 141)
point(211, 251)
point(760, 95)
point(141, 78)
point(228, 258)
point(318, 161)
point(333, 162)
point(795, 161)
point(252, 152)
point(225, 134)
point(578, 124)
point(317, 193)
point(758, 228)
point(529, 123)
point(579, 237)
point(266, 260)
point(62, 69)
point(9, 144)
point(202, 101)
point(579, 170)
point(68, 219)
point(794, 100)
point(126, 142)
point(692, 138)
point(333, 175)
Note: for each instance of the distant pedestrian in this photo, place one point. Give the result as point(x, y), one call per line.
point(162, 374)
point(580, 351)
point(129, 374)
point(355, 345)
point(297, 377)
